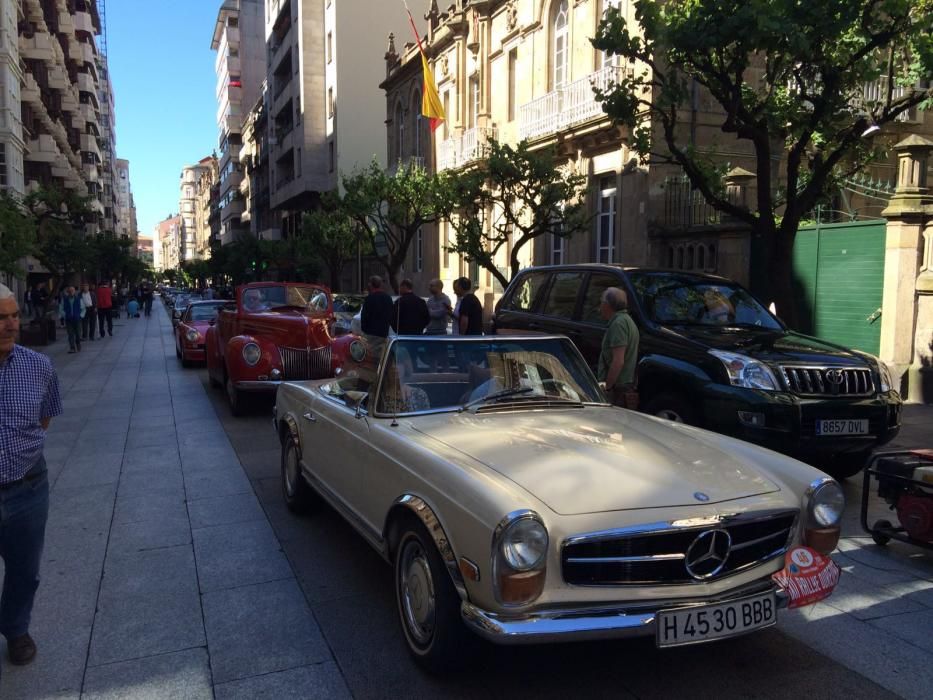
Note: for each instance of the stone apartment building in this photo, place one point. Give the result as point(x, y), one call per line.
point(525, 69)
point(167, 239)
point(196, 189)
point(125, 206)
point(240, 66)
point(57, 121)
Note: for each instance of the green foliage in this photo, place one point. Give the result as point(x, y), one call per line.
point(524, 194)
point(789, 80)
point(17, 234)
point(390, 208)
point(328, 233)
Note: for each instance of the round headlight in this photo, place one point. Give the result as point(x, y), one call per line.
point(251, 353)
point(524, 544)
point(192, 336)
point(827, 504)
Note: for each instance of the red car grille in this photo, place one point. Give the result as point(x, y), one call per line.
point(306, 363)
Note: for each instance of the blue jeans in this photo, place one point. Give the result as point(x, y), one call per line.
point(24, 510)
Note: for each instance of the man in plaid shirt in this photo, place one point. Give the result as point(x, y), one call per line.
point(29, 398)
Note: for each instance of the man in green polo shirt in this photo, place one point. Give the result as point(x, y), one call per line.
point(619, 353)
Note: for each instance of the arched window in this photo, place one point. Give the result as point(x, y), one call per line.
point(560, 46)
point(417, 135)
point(605, 59)
point(400, 130)
point(670, 256)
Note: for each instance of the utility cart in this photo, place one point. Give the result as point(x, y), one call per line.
point(905, 482)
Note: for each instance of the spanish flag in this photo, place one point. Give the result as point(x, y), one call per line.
point(431, 106)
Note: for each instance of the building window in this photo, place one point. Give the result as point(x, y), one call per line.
point(399, 130)
point(419, 251)
point(330, 102)
point(557, 249)
point(561, 49)
point(605, 59)
point(606, 220)
point(298, 162)
point(330, 47)
point(3, 170)
point(233, 21)
point(513, 68)
point(416, 137)
point(330, 156)
point(447, 115)
point(473, 115)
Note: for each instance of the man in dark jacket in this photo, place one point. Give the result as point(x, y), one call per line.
point(470, 320)
point(377, 310)
point(410, 313)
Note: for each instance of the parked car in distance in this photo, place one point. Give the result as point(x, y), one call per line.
point(513, 502)
point(181, 303)
point(192, 328)
point(346, 306)
point(273, 331)
point(711, 355)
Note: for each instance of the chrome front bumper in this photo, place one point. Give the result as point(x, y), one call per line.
point(585, 624)
point(258, 385)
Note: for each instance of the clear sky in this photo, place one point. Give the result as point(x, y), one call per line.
point(162, 68)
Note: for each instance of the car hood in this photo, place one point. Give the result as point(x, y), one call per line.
point(774, 346)
point(600, 459)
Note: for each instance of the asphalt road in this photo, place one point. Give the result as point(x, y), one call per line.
point(349, 589)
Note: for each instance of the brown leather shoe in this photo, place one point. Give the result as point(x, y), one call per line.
point(22, 650)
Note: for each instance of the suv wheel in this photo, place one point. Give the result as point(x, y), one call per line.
point(845, 465)
point(670, 406)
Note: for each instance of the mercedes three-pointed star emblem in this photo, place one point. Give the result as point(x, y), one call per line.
point(708, 553)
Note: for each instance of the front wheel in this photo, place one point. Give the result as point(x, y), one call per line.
point(298, 496)
point(670, 406)
point(234, 398)
point(428, 604)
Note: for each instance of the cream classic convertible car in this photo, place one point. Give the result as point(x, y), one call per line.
point(516, 504)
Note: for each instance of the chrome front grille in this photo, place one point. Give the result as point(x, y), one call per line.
point(305, 363)
point(828, 381)
point(656, 555)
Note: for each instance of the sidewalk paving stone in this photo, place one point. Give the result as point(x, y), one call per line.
point(260, 629)
point(142, 535)
point(224, 510)
point(318, 682)
point(182, 675)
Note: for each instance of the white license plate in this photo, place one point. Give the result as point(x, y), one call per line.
point(842, 426)
point(705, 623)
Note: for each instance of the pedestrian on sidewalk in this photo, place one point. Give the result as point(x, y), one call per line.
point(147, 297)
point(89, 322)
point(619, 354)
point(439, 309)
point(469, 320)
point(40, 297)
point(29, 398)
point(105, 308)
point(132, 308)
point(72, 312)
point(410, 312)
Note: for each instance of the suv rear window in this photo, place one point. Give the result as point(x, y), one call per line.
point(599, 283)
point(562, 296)
point(527, 291)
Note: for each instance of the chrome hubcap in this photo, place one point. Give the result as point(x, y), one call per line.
point(416, 592)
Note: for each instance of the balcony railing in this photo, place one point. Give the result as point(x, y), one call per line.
point(406, 163)
point(875, 94)
point(567, 106)
point(471, 145)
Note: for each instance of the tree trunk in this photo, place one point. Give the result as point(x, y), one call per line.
point(783, 283)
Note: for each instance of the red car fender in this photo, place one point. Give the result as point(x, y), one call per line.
point(239, 370)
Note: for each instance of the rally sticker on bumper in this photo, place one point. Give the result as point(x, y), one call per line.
point(807, 577)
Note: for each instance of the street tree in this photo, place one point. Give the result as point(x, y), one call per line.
point(329, 234)
point(390, 209)
point(524, 194)
point(17, 234)
point(789, 79)
point(60, 218)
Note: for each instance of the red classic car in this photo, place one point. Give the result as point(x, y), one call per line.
point(274, 332)
point(192, 330)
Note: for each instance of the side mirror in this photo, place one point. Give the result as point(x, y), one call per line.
point(357, 398)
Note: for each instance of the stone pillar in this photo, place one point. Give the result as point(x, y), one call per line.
point(920, 373)
point(909, 213)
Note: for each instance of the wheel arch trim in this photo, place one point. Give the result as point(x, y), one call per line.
point(418, 507)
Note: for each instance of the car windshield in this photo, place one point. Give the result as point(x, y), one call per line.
point(346, 303)
point(203, 312)
point(671, 299)
point(310, 298)
point(441, 374)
